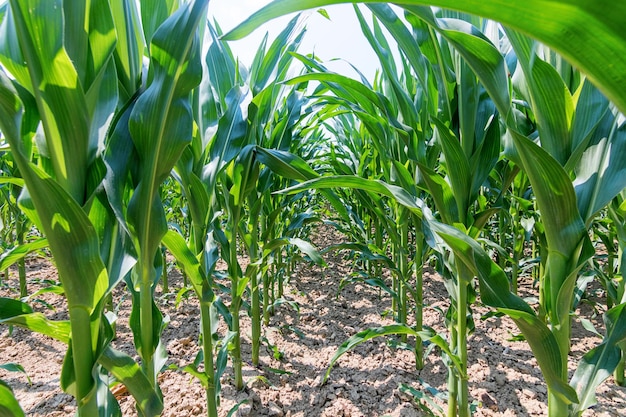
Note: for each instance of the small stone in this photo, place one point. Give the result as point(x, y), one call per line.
point(500, 379)
point(528, 393)
point(488, 402)
point(275, 410)
point(254, 397)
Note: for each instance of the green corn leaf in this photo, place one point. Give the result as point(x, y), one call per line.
point(291, 166)
point(551, 100)
point(177, 246)
point(601, 173)
point(408, 45)
point(197, 195)
point(369, 252)
point(128, 372)
point(222, 67)
point(480, 54)
point(57, 90)
point(153, 14)
point(392, 329)
point(76, 20)
point(102, 100)
point(592, 108)
point(14, 367)
point(495, 292)
point(12, 180)
point(405, 105)
point(129, 47)
point(17, 313)
point(11, 55)
point(244, 173)
point(555, 195)
point(285, 164)
point(555, 23)
point(71, 236)
point(101, 40)
point(13, 255)
point(403, 177)
point(271, 62)
point(485, 158)
point(353, 90)
point(305, 247)
point(598, 364)
point(231, 134)
point(161, 120)
point(441, 193)
point(457, 166)
point(9, 407)
point(349, 181)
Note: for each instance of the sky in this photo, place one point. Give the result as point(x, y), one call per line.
point(340, 37)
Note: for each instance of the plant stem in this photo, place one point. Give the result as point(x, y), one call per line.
point(461, 348)
point(266, 299)
point(378, 239)
point(146, 319)
point(255, 307)
point(556, 406)
point(255, 302)
point(403, 262)
point(21, 265)
point(419, 299)
point(82, 354)
point(453, 385)
point(280, 267)
point(21, 268)
point(618, 374)
point(207, 347)
point(235, 300)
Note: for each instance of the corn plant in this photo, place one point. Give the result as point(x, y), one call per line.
point(14, 225)
point(66, 64)
point(218, 171)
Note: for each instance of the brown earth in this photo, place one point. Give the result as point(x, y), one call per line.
point(504, 377)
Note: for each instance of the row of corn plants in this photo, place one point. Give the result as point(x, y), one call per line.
point(497, 95)
point(78, 104)
point(102, 103)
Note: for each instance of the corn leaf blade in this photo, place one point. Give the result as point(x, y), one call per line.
point(9, 407)
point(128, 372)
point(495, 292)
point(581, 30)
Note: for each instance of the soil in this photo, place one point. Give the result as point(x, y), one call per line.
point(504, 377)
